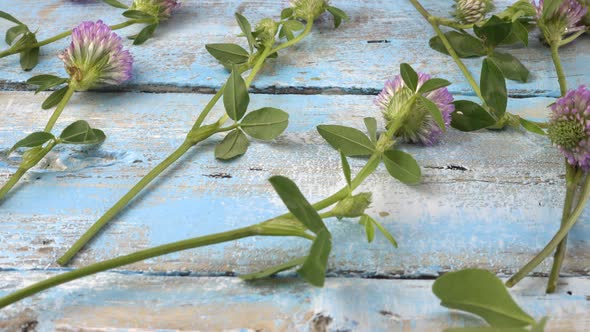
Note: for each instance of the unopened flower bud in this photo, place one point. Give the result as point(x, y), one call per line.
point(266, 30)
point(353, 206)
point(162, 9)
point(472, 11)
point(309, 9)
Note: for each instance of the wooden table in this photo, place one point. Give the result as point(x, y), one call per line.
point(488, 199)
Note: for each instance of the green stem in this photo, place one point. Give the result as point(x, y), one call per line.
point(557, 238)
point(113, 211)
point(559, 256)
point(59, 36)
point(571, 38)
point(453, 24)
point(12, 181)
point(558, 68)
point(295, 40)
point(60, 107)
point(254, 230)
point(435, 22)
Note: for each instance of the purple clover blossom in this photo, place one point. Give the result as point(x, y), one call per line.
point(96, 57)
point(419, 126)
point(569, 127)
point(567, 18)
point(161, 9)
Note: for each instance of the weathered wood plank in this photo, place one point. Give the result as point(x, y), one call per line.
point(112, 301)
point(343, 60)
point(489, 199)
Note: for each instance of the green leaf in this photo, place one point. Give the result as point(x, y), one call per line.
point(9, 17)
point(532, 127)
point(434, 112)
point(369, 227)
point(493, 88)
point(469, 116)
point(137, 14)
point(266, 123)
point(32, 140)
point(351, 141)
point(14, 32)
point(29, 58)
point(235, 95)
point(228, 53)
point(275, 269)
point(145, 34)
point(233, 145)
point(339, 15)
point(80, 132)
point(346, 169)
point(486, 329)
point(402, 166)
point(481, 293)
point(494, 31)
point(294, 25)
point(45, 82)
point(54, 98)
point(314, 268)
point(433, 84)
point(409, 76)
point(464, 44)
point(371, 125)
point(116, 4)
point(286, 33)
point(286, 13)
point(385, 232)
point(297, 204)
point(510, 66)
point(246, 29)
point(520, 32)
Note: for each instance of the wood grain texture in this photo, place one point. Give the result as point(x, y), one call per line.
point(114, 302)
point(488, 199)
point(343, 60)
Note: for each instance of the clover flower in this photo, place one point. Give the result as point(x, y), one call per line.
point(472, 11)
point(569, 127)
point(566, 19)
point(309, 9)
point(161, 9)
point(96, 57)
point(418, 126)
point(266, 30)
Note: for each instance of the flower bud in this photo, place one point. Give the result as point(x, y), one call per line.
point(96, 57)
point(266, 30)
point(309, 9)
point(353, 206)
point(32, 156)
point(472, 11)
point(161, 9)
point(418, 125)
point(569, 127)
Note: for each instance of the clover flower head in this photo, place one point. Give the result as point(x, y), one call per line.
point(569, 127)
point(566, 19)
point(161, 9)
point(418, 126)
point(266, 30)
point(309, 9)
point(96, 57)
point(472, 11)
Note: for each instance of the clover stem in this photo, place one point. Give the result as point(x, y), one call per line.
point(435, 22)
point(59, 109)
point(557, 238)
point(254, 230)
point(179, 152)
point(559, 256)
point(558, 68)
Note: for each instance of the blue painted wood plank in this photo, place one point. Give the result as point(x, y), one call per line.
point(330, 60)
point(114, 302)
point(495, 210)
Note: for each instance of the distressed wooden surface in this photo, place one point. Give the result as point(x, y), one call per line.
point(113, 302)
point(350, 59)
point(488, 199)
